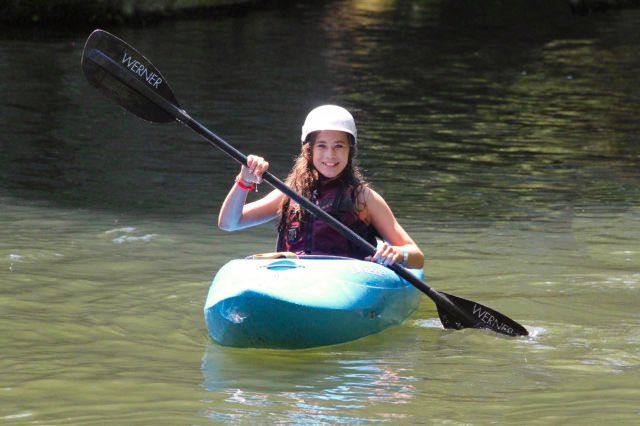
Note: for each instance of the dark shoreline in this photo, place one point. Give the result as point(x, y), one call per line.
point(83, 12)
point(29, 13)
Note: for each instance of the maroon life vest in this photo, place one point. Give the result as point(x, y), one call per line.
point(303, 233)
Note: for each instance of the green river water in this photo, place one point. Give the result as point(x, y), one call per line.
point(503, 134)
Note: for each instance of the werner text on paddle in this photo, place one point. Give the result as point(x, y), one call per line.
point(138, 68)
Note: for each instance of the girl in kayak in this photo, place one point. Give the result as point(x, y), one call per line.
point(325, 173)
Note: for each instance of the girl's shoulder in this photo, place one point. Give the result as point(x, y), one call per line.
point(369, 198)
point(364, 192)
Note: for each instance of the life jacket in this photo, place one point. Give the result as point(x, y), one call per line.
point(303, 233)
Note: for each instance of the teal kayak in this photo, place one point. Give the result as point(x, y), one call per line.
point(304, 302)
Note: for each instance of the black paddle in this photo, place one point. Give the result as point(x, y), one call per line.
point(123, 74)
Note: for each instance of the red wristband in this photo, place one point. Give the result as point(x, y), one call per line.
point(245, 187)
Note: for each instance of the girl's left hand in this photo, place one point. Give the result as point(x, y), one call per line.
point(386, 255)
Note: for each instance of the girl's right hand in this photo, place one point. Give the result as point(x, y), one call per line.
point(253, 173)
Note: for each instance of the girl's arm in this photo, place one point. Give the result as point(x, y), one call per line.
point(234, 213)
point(397, 241)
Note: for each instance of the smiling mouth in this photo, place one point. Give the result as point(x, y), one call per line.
point(329, 164)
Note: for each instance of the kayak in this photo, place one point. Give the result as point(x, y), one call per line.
point(304, 302)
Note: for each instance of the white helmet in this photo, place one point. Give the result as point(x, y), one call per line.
point(329, 117)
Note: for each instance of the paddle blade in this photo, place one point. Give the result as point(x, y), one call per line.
point(477, 316)
point(126, 76)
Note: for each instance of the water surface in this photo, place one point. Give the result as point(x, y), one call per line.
point(505, 137)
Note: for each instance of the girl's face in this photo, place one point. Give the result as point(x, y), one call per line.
point(331, 152)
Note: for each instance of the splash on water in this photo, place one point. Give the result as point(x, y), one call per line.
point(127, 237)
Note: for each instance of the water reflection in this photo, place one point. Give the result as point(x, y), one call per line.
point(482, 130)
point(307, 386)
